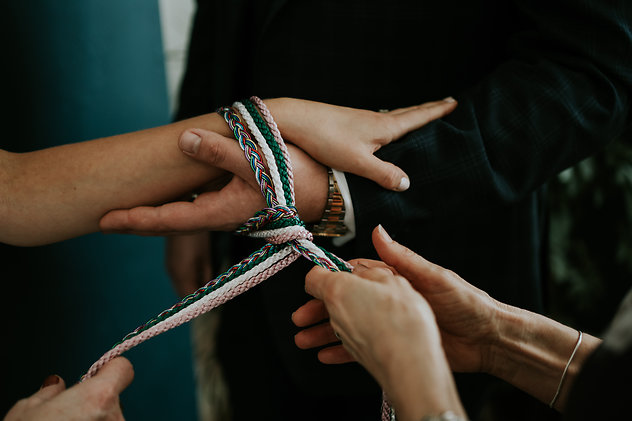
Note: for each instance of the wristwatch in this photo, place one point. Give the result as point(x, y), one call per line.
point(332, 223)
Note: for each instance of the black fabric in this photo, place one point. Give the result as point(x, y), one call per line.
point(540, 86)
point(602, 388)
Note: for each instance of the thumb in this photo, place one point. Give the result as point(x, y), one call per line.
point(386, 174)
point(216, 150)
point(422, 274)
point(52, 386)
point(117, 373)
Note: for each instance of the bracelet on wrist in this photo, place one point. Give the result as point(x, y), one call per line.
point(559, 386)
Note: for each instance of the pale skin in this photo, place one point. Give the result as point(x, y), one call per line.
point(94, 399)
point(61, 192)
point(315, 127)
point(437, 323)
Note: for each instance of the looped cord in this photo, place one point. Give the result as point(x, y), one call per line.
point(279, 224)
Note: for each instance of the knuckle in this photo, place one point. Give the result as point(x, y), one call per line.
point(214, 153)
point(390, 177)
point(104, 400)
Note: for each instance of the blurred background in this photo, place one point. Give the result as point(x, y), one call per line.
point(78, 70)
point(82, 69)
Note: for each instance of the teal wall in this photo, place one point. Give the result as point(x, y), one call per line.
point(76, 70)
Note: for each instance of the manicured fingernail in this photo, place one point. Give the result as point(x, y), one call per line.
point(190, 142)
point(449, 99)
point(404, 184)
point(50, 380)
point(384, 234)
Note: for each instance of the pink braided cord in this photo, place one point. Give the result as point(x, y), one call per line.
point(216, 298)
point(284, 228)
point(274, 129)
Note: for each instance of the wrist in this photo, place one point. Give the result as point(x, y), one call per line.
point(532, 352)
point(281, 109)
point(422, 386)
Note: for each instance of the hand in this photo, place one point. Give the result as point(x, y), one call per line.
point(467, 317)
point(390, 329)
point(96, 398)
point(232, 205)
point(347, 138)
point(188, 260)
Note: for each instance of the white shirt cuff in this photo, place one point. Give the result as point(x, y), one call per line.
point(349, 219)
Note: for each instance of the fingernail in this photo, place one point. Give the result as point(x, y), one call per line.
point(404, 184)
point(190, 142)
point(384, 234)
point(449, 99)
point(50, 380)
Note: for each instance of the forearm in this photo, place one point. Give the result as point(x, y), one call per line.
point(532, 352)
point(62, 192)
point(422, 385)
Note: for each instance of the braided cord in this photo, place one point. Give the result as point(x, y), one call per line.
point(250, 151)
point(233, 272)
point(275, 177)
point(279, 157)
point(267, 116)
point(279, 224)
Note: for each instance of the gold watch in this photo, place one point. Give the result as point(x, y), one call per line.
point(332, 223)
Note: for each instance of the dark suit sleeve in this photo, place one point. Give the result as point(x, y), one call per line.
point(562, 93)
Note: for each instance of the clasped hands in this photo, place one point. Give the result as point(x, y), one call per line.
point(318, 135)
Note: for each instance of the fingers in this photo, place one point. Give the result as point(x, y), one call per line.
point(52, 386)
point(319, 280)
point(407, 263)
point(220, 210)
point(160, 220)
point(361, 264)
point(216, 150)
point(335, 355)
point(118, 374)
point(402, 121)
point(412, 118)
point(309, 313)
point(316, 336)
point(386, 174)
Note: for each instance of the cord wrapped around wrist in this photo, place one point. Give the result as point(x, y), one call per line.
point(279, 224)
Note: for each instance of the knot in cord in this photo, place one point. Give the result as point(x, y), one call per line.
point(277, 225)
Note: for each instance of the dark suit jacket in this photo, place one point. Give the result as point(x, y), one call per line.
point(540, 86)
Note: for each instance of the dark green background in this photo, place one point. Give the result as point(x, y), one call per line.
point(76, 70)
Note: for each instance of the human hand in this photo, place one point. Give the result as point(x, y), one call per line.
point(96, 398)
point(390, 329)
point(467, 317)
point(347, 138)
point(232, 205)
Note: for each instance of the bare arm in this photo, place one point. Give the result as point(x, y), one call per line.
point(477, 333)
point(61, 192)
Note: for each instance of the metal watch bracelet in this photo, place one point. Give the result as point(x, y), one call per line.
point(332, 222)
